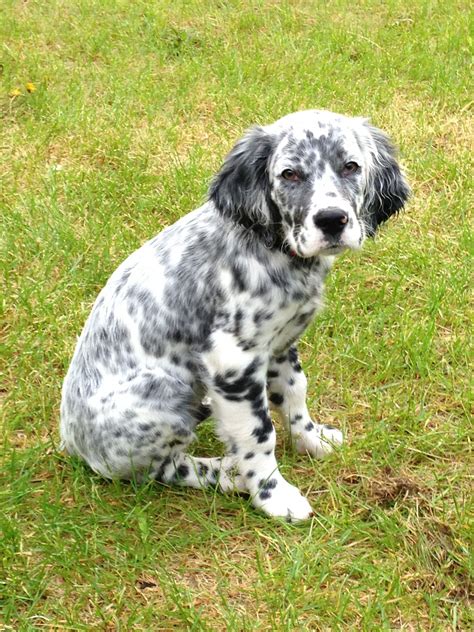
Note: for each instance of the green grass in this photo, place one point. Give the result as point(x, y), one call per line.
point(135, 105)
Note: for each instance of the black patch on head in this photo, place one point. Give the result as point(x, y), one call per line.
point(241, 189)
point(387, 189)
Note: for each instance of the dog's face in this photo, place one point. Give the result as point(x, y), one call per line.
point(320, 181)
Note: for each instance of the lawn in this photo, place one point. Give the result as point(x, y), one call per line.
point(114, 116)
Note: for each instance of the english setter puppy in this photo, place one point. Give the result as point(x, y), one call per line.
point(203, 319)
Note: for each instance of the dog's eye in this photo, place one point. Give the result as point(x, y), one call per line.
point(289, 174)
point(350, 168)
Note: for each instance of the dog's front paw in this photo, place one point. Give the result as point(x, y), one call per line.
point(282, 500)
point(318, 441)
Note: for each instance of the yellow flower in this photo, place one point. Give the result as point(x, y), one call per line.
point(30, 87)
point(15, 92)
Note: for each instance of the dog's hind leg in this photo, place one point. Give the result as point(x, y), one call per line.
point(183, 469)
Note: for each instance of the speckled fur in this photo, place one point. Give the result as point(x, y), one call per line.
point(203, 319)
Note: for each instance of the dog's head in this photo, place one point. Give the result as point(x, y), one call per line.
point(318, 182)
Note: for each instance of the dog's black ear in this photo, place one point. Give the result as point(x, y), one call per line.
point(387, 189)
point(241, 189)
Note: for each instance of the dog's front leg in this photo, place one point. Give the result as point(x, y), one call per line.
point(287, 394)
point(237, 385)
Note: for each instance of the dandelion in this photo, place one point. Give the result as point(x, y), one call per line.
point(30, 87)
point(15, 92)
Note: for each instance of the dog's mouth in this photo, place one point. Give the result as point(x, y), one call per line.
point(332, 248)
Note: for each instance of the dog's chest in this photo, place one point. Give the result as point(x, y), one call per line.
point(275, 321)
point(290, 322)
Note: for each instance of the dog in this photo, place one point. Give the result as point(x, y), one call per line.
point(204, 319)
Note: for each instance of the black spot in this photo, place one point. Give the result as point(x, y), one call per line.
point(182, 471)
point(263, 431)
point(176, 335)
point(238, 316)
point(265, 485)
point(250, 473)
point(249, 455)
point(272, 374)
point(202, 469)
point(309, 426)
point(276, 398)
point(203, 413)
point(239, 280)
point(239, 385)
point(174, 443)
point(161, 471)
point(254, 392)
point(293, 355)
point(181, 431)
point(260, 315)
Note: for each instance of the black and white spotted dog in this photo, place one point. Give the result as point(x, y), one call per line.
point(203, 319)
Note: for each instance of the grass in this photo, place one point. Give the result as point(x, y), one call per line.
point(134, 106)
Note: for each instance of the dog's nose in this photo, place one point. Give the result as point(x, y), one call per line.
point(331, 220)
